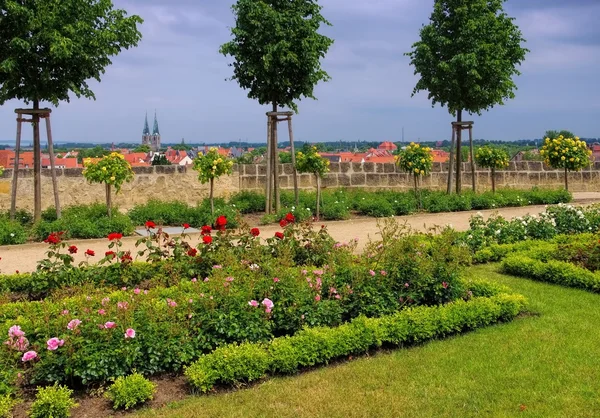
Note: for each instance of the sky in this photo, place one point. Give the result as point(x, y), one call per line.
point(177, 71)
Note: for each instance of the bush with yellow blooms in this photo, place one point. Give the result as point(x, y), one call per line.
point(310, 161)
point(416, 160)
point(112, 170)
point(211, 166)
point(493, 158)
point(570, 154)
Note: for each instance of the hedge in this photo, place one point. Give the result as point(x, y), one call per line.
point(552, 271)
point(235, 364)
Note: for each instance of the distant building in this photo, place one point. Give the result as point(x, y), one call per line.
point(387, 146)
point(152, 140)
point(595, 151)
point(440, 156)
point(523, 155)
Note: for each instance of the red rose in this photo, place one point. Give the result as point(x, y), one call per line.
point(283, 223)
point(220, 223)
point(126, 258)
point(110, 254)
point(255, 232)
point(290, 218)
point(91, 253)
point(206, 230)
point(279, 235)
point(53, 238)
point(186, 226)
point(150, 225)
point(192, 252)
point(207, 239)
point(72, 249)
point(115, 236)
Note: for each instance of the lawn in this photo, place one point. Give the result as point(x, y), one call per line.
point(546, 364)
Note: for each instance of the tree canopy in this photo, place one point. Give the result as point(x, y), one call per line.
point(277, 49)
point(467, 55)
point(51, 48)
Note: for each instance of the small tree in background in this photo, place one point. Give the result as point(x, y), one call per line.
point(493, 158)
point(310, 161)
point(572, 154)
point(50, 49)
point(211, 166)
point(415, 160)
point(160, 159)
point(466, 59)
point(112, 170)
point(552, 134)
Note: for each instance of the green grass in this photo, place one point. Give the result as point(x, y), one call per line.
point(547, 362)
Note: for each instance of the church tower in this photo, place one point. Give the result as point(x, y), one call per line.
point(146, 138)
point(155, 135)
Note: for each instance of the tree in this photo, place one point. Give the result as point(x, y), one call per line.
point(415, 160)
point(466, 58)
point(285, 157)
point(50, 49)
point(310, 161)
point(572, 154)
point(277, 54)
point(493, 158)
point(555, 134)
point(142, 148)
point(160, 159)
point(112, 170)
point(209, 167)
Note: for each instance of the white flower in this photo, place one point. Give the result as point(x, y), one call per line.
point(12, 234)
point(254, 267)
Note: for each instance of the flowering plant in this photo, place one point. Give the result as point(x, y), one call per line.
point(415, 160)
point(112, 170)
point(310, 161)
point(211, 166)
point(493, 158)
point(572, 154)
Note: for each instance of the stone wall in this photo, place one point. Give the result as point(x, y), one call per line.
point(181, 183)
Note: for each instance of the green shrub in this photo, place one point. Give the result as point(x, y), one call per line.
point(335, 211)
point(172, 213)
point(375, 206)
point(130, 391)
point(7, 404)
point(12, 232)
point(52, 402)
point(248, 201)
point(232, 364)
point(24, 217)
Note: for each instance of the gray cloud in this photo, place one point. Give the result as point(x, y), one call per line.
point(178, 71)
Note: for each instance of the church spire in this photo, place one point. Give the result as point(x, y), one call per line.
point(146, 127)
point(155, 130)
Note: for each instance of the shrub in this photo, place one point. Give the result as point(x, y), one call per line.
point(335, 211)
point(248, 201)
point(7, 403)
point(130, 391)
point(52, 401)
point(232, 364)
point(12, 232)
point(173, 213)
point(375, 206)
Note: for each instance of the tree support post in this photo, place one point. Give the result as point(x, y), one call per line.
point(268, 205)
point(457, 128)
point(451, 161)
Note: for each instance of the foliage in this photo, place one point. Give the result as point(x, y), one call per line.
point(317, 346)
point(415, 159)
point(52, 401)
point(212, 165)
point(145, 148)
point(7, 403)
point(130, 391)
point(12, 232)
point(310, 161)
point(160, 159)
point(248, 202)
point(112, 169)
point(491, 157)
point(555, 134)
point(467, 55)
point(569, 153)
point(277, 50)
point(51, 49)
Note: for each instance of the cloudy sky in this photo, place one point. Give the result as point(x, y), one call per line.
point(178, 71)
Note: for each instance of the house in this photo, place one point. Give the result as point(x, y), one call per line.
point(440, 156)
point(7, 159)
point(177, 157)
point(387, 146)
point(60, 162)
point(595, 152)
point(525, 155)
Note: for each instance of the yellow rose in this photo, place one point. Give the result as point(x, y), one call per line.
point(112, 178)
point(417, 170)
point(563, 158)
point(103, 168)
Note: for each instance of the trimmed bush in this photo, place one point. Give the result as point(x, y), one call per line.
point(7, 403)
point(248, 202)
point(52, 402)
point(316, 346)
point(12, 232)
point(130, 391)
point(552, 271)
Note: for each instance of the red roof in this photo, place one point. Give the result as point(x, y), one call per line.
point(388, 146)
point(440, 156)
point(61, 162)
point(136, 157)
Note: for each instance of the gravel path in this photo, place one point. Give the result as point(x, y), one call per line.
point(24, 257)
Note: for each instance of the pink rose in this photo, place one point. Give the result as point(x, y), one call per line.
point(110, 325)
point(268, 310)
point(65, 312)
point(73, 324)
point(371, 272)
point(268, 303)
point(137, 291)
point(318, 298)
point(130, 333)
point(101, 312)
point(15, 331)
point(253, 303)
point(28, 356)
point(53, 343)
point(276, 279)
point(194, 280)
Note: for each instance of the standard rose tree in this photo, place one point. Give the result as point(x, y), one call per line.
point(415, 160)
point(310, 161)
point(571, 154)
point(111, 170)
point(211, 166)
point(493, 158)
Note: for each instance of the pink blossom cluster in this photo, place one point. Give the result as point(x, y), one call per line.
point(16, 339)
point(53, 343)
point(267, 303)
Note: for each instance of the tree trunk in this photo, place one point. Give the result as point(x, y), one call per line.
point(276, 163)
point(473, 174)
point(108, 200)
point(52, 166)
point(493, 180)
point(318, 196)
point(566, 179)
point(212, 191)
point(459, 153)
point(451, 161)
point(294, 170)
point(268, 191)
point(37, 165)
point(13, 195)
point(417, 194)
